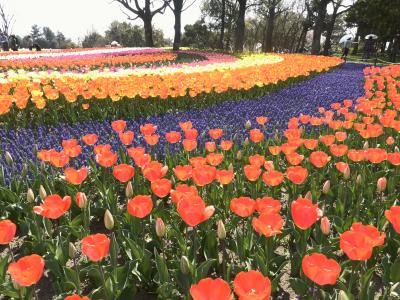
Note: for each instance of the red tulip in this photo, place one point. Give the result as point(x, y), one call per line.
point(193, 210)
point(319, 159)
point(148, 129)
point(297, 175)
point(273, 178)
point(173, 137)
point(123, 172)
point(96, 246)
point(90, 139)
point(53, 206)
point(268, 224)
point(183, 173)
point(225, 176)
point(118, 126)
point(126, 137)
point(140, 206)
point(152, 139)
point(185, 125)
point(252, 172)
point(7, 231)
point(268, 205)
point(214, 159)
point(76, 297)
point(161, 187)
point(210, 146)
point(215, 133)
point(252, 285)
point(27, 270)
point(189, 145)
point(243, 206)
point(154, 171)
point(106, 159)
point(204, 175)
point(305, 213)
point(183, 190)
point(256, 160)
point(226, 145)
point(75, 177)
point(393, 216)
point(211, 289)
point(320, 269)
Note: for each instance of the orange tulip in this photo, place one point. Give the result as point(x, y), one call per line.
point(256, 135)
point(183, 190)
point(118, 126)
point(189, 145)
point(319, 159)
point(75, 177)
point(193, 210)
point(215, 133)
point(69, 143)
point(198, 161)
point(297, 175)
point(134, 152)
point(261, 120)
point(342, 166)
point(305, 213)
point(73, 151)
point(123, 172)
point(140, 206)
point(148, 129)
point(173, 137)
point(141, 160)
point(203, 175)
point(252, 172)
point(53, 206)
point(327, 139)
point(27, 270)
point(185, 125)
point(161, 187)
point(273, 178)
point(210, 146)
point(7, 231)
point(268, 205)
point(152, 139)
point(394, 158)
point(211, 289)
point(390, 141)
point(224, 176)
point(99, 149)
point(392, 215)
point(288, 148)
point(340, 136)
point(376, 155)
point(215, 159)
point(338, 150)
point(320, 269)
point(126, 137)
point(183, 173)
point(191, 134)
point(252, 285)
point(76, 297)
point(58, 159)
point(256, 160)
point(268, 224)
point(294, 158)
point(226, 145)
point(243, 206)
point(274, 150)
point(106, 159)
point(96, 246)
point(154, 170)
point(356, 155)
point(310, 144)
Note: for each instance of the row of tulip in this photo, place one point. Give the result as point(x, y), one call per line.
point(312, 212)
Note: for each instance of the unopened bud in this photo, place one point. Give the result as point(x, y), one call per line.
point(366, 145)
point(230, 167)
point(129, 190)
point(9, 158)
point(326, 187)
point(239, 155)
point(185, 268)
point(343, 295)
point(359, 179)
point(30, 196)
point(381, 184)
point(81, 200)
point(71, 250)
point(325, 225)
point(24, 170)
point(160, 228)
point(246, 142)
point(164, 170)
point(221, 232)
point(346, 173)
point(396, 149)
point(308, 195)
point(42, 192)
point(108, 220)
point(247, 125)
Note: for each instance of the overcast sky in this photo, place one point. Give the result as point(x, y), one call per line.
point(75, 18)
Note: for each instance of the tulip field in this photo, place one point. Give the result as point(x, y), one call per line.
point(142, 173)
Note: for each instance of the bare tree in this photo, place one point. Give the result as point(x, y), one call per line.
point(145, 13)
point(6, 20)
point(320, 8)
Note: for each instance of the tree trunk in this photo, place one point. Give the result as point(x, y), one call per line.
point(270, 29)
point(319, 26)
point(329, 31)
point(222, 30)
point(148, 32)
point(240, 26)
point(178, 5)
point(356, 44)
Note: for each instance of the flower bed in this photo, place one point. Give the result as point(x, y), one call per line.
point(310, 212)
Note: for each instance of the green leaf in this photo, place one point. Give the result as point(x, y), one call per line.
point(72, 276)
point(395, 271)
point(299, 286)
point(203, 270)
point(162, 268)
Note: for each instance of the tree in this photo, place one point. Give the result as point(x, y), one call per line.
point(320, 9)
point(49, 38)
point(270, 9)
point(177, 7)
point(126, 34)
point(6, 20)
point(145, 13)
point(36, 33)
point(93, 39)
point(240, 26)
point(198, 35)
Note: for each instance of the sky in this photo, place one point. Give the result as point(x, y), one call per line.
point(75, 18)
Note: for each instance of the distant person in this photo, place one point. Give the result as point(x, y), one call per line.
point(32, 44)
point(13, 42)
point(369, 47)
point(4, 42)
point(346, 48)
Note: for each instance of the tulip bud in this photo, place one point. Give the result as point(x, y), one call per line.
point(185, 269)
point(221, 232)
point(390, 140)
point(346, 173)
point(82, 200)
point(129, 190)
point(239, 155)
point(9, 158)
point(343, 295)
point(326, 187)
point(366, 145)
point(308, 195)
point(42, 192)
point(325, 225)
point(160, 228)
point(381, 184)
point(246, 142)
point(396, 149)
point(16, 285)
point(24, 170)
point(108, 220)
point(71, 250)
point(30, 196)
point(230, 167)
point(247, 125)
point(164, 170)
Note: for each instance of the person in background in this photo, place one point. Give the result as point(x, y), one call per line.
point(368, 48)
point(346, 48)
point(32, 44)
point(4, 41)
point(13, 42)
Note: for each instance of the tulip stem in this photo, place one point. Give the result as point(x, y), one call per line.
point(354, 269)
point(103, 280)
point(77, 273)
